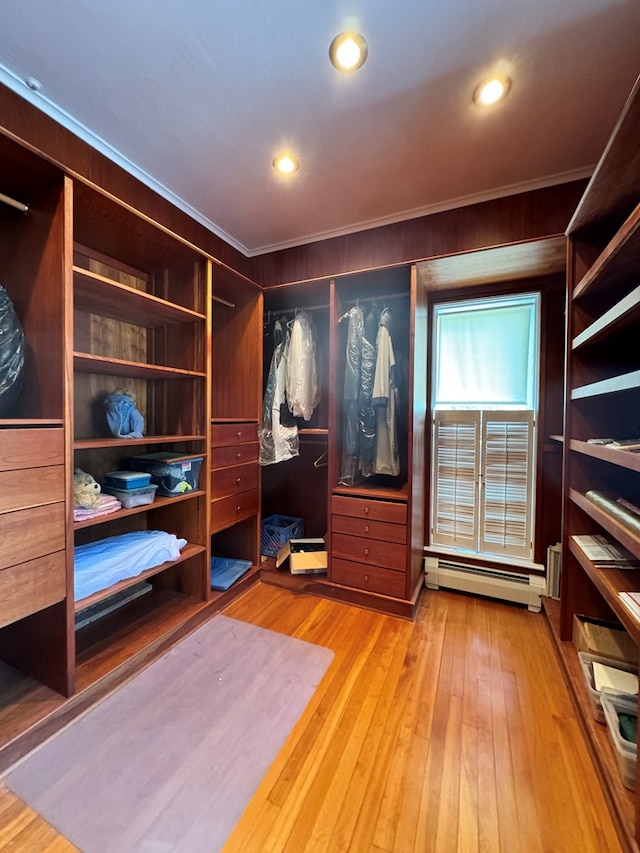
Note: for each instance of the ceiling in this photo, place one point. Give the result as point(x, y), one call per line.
point(196, 98)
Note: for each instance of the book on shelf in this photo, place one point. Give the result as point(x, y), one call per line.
point(631, 601)
point(625, 444)
point(603, 552)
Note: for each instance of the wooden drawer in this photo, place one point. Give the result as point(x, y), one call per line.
point(368, 529)
point(371, 578)
point(389, 555)
point(227, 511)
point(222, 434)
point(32, 487)
point(234, 454)
point(394, 513)
point(31, 586)
point(30, 448)
point(231, 481)
point(30, 533)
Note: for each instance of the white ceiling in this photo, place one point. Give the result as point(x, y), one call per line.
point(196, 97)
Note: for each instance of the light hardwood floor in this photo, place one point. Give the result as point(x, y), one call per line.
point(451, 733)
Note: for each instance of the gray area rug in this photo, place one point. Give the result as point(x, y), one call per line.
point(170, 760)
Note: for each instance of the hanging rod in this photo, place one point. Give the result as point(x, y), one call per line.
point(13, 203)
point(385, 297)
point(275, 311)
point(224, 301)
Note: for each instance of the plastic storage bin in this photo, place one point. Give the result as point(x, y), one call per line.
point(586, 660)
point(130, 498)
point(127, 479)
point(626, 752)
point(173, 473)
point(225, 571)
point(278, 530)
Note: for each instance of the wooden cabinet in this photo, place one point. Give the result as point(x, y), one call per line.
point(236, 392)
point(374, 525)
point(603, 401)
point(376, 532)
point(140, 323)
point(33, 462)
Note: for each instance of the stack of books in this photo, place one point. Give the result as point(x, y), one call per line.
point(631, 601)
point(603, 552)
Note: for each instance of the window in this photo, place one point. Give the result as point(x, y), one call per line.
point(485, 392)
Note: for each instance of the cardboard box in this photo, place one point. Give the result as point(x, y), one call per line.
point(306, 556)
point(598, 637)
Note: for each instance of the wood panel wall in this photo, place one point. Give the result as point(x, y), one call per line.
point(525, 216)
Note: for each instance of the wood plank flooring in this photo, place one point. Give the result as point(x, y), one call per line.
point(451, 733)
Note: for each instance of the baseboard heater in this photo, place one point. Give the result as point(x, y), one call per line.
point(507, 586)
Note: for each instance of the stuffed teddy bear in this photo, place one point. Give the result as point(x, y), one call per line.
point(86, 491)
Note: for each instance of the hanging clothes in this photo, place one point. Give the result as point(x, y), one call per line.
point(367, 413)
point(278, 441)
point(351, 395)
point(302, 380)
point(385, 400)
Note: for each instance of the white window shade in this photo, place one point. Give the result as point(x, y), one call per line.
point(487, 353)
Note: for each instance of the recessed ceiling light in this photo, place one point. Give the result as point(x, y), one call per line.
point(287, 164)
point(348, 51)
point(492, 91)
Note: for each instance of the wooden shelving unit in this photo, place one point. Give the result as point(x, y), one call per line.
point(603, 401)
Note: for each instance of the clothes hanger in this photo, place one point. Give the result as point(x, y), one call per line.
point(319, 463)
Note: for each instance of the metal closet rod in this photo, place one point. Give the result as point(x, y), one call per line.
point(13, 203)
point(223, 301)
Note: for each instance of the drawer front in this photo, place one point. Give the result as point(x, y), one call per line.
point(227, 511)
point(30, 533)
point(231, 481)
point(30, 448)
point(394, 513)
point(388, 555)
point(31, 487)
point(368, 529)
point(235, 454)
point(31, 586)
point(222, 434)
point(371, 578)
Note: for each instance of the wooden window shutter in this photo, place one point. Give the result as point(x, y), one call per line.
point(507, 483)
point(455, 479)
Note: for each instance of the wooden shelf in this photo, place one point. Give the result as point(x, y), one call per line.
point(106, 443)
point(98, 294)
point(610, 582)
point(387, 493)
point(623, 534)
point(621, 800)
point(623, 382)
point(613, 187)
point(616, 263)
point(621, 458)
point(622, 315)
point(122, 513)
point(187, 552)
point(105, 366)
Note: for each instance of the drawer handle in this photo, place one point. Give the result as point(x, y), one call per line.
point(366, 577)
point(366, 552)
point(366, 510)
point(239, 433)
point(238, 455)
point(238, 481)
point(366, 528)
point(238, 508)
